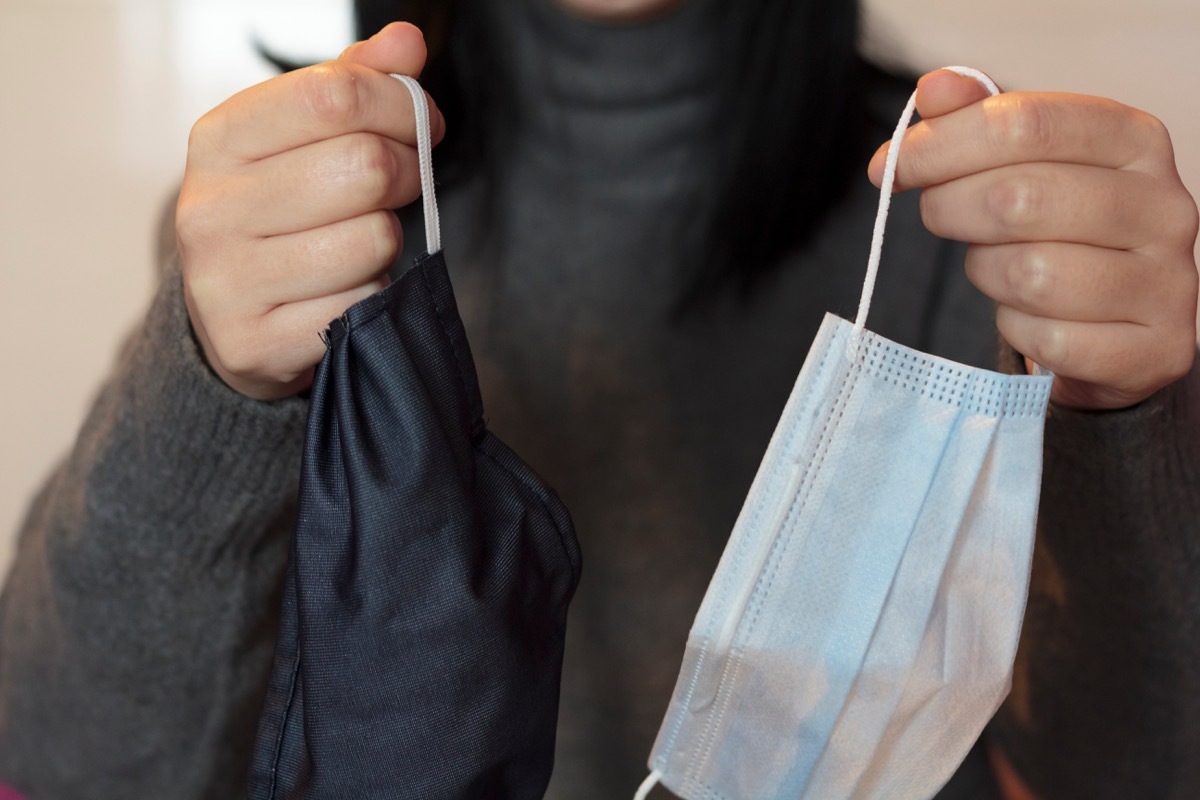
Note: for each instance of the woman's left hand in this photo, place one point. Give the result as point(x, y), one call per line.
point(1079, 225)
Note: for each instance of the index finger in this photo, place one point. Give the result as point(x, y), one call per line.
point(312, 105)
point(1026, 127)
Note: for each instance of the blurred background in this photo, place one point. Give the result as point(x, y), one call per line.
point(97, 98)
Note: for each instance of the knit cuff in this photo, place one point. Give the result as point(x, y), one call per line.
point(1106, 687)
point(175, 451)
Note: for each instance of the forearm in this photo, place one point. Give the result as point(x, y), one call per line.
point(137, 622)
point(1106, 690)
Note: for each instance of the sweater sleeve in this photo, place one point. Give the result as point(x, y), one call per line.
point(1106, 691)
point(137, 623)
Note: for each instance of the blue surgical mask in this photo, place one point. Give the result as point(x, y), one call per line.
point(861, 626)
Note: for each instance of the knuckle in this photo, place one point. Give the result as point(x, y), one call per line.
point(193, 220)
point(1051, 345)
point(331, 93)
point(209, 136)
point(1186, 219)
point(1016, 202)
point(1185, 272)
point(206, 292)
point(939, 213)
point(238, 350)
point(206, 131)
point(204, 228)
point(201, 134)
point(1031, 277)
point(1156, 135)
point(188, 224)
point(1023, 123)
point(373, 166)
point(386, 237)
point(930, 209)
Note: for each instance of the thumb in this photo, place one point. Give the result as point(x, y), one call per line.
point(399, 48)
point(938, 93)
point(942, 91)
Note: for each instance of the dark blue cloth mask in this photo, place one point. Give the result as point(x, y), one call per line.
point(420, 646)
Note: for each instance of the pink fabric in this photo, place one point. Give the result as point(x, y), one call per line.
point(9, 794)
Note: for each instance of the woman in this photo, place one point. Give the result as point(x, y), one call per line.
point(649, 204)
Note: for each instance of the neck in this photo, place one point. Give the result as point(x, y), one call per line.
point(617, 107)
point(618, 11)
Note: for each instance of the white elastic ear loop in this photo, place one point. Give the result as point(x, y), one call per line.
point(651, 781)
point(433, 226)
point(885, 202)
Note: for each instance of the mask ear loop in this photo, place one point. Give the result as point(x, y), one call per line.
point(651, 781)
point(885, 202)
point(864, 304)
point(433, 226)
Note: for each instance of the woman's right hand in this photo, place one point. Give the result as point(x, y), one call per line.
point(285, 215)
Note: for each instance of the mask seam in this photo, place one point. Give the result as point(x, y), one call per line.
point(832, 423)
point(705, 653)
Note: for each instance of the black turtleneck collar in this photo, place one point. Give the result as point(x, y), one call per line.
point(615, 108)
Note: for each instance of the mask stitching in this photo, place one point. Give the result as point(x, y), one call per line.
point(749, 621)
point(957, 388)
point(732, 666)
point(735, 567)
point(977, 391)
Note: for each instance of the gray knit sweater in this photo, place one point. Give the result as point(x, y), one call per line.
point(136, 626)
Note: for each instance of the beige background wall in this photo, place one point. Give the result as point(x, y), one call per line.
point(97, 97)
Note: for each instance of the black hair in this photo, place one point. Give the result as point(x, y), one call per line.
point(793, 85)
